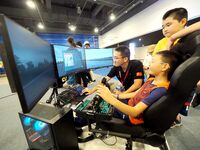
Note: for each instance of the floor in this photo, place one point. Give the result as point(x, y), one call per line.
point(12, 136)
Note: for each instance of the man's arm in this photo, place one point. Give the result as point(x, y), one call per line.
point(92, 90)
point(137, 84)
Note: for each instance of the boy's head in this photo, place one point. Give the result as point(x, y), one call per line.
point(121, 55)
point(164, 62)
point(174, 20)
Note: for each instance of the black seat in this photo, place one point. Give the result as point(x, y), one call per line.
point(161, 114)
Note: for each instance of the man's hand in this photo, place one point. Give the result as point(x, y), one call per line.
point(87, 91)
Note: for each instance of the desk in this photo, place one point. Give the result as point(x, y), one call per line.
point(49, 128)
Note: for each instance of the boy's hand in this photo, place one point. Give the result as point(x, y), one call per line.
point(171, 41)
point(117, 92)
point(104, 93)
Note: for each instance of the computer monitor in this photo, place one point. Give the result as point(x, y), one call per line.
point(29, 60)
point(98, 58)
point(69, 60)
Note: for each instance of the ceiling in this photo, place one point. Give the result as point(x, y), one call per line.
point(58, 15)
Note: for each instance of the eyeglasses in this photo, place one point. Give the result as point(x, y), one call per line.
point(118, 57)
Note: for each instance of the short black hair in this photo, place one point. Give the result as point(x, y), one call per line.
point(176, 13)
point(172, 59)
point(79, 43)
point(124, 50)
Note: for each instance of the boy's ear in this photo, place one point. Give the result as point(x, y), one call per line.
point(183, 21)
point(166, 67)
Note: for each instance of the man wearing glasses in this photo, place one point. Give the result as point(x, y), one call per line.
point(129, 72)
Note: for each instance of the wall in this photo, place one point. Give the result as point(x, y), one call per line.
point(147, 21)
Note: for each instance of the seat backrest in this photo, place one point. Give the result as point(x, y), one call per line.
point(161, 114)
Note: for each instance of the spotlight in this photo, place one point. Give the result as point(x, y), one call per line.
point(96, 30)
point(72, 27)
point(30, 4)
point(40, 26)
point(112, 17)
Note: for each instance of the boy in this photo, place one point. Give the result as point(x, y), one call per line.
point(174, 20)
point(162, 67)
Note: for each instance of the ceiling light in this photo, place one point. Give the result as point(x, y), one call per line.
point(40, 26)
point(96, 30)
point(79, 10)
point(140, 39)
point(30, 4)
point(112, 17)
point(72, 27)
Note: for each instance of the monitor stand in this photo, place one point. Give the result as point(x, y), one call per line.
point(53, 97)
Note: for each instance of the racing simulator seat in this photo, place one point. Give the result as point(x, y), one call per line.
point(160, 115)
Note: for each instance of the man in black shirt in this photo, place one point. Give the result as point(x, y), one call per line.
point(129, 72)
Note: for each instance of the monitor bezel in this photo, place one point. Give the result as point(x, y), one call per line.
point(12, 67)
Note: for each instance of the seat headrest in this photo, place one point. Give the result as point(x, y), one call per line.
point(187, 45)
point(186, 76)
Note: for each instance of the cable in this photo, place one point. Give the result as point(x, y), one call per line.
point(103, 140)
point(39, 12)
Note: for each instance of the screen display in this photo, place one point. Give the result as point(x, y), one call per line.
point(97, 58)
point(69, 60)
point(31, 61)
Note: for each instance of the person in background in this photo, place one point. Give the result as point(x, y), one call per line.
point(89, 72)
point(71, 42)
point(86, 44)
point(72, 80)
point(148, 59)
point(79, 44)
point(82, 77)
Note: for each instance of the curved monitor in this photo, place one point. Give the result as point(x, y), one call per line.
point(98, 58)
point(69, 60)
point(30, 61)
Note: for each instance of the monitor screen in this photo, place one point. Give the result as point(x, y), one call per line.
point(69, 60)
point(30, 60)
point(98, 58)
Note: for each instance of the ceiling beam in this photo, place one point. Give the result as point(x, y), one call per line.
point(109, 3)
point(48, 4)
point(97, 10)
point(58, 17)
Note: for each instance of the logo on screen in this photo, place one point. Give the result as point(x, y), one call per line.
point(68, 59)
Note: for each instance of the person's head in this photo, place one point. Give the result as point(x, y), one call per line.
point(164, 62)
point(121, 55)
point(70, 41)
point(79, 44)
point(173, 21)
point(86, 44)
